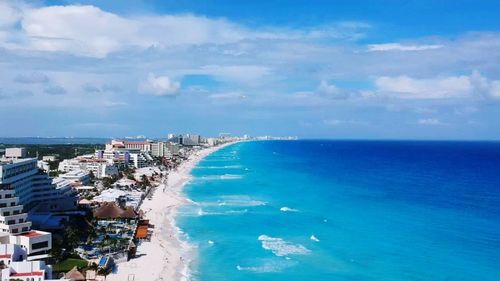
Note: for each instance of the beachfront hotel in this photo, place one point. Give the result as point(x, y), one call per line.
point(99, 167)
point(23, 189)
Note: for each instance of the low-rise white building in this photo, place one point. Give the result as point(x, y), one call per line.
point(44, 165)
point(78, 177)
point(130, 198)
point(28, 271)
point(99, 167)
point(35, 243)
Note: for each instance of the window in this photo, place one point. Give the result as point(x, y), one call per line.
point(39, 245)
point(11, 222)
point(6, 214)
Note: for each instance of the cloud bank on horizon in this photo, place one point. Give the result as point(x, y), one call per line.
point(89, 70)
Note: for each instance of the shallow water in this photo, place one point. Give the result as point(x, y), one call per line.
point(340, 210)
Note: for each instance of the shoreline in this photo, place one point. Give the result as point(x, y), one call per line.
point(166, 256)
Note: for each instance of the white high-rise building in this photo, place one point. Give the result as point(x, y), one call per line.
point(24, 188)
point(159, 149)
point(32, 188)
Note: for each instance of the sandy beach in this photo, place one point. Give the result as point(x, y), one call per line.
point(166, 256)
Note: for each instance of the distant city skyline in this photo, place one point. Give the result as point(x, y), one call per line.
point(313, 69)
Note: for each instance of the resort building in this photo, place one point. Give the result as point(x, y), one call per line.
point(159, 149)
point(134, 156)
point(16, 153)
point(43, 165)
point(79, 177)
point(49, 158)
point(24, 187)
point(35, 244)
point(89, 163)
point(66, 187)
point(28, 271)
point(186, 140)
point(144, 146)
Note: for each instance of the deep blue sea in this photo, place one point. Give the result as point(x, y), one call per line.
point(346, 210)
point(48, 141)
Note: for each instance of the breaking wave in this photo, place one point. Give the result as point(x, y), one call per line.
point(271, 266)
point(314, 238)
point(287, 209)
point(222, 177)
point(220, 167)
point(282, 248)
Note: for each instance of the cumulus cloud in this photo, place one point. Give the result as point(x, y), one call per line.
point(86, 30)
point(31, 78)
point(400, 47)
point(331, 91)
point(10, 13)
point(429, 121)
point(474, 85)
point(159, 86)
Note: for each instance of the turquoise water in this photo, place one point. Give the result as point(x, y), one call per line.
point(340, 210)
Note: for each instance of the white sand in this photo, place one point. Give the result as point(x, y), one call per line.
point(166, 256)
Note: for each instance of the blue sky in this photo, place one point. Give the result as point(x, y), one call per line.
point(317, 69)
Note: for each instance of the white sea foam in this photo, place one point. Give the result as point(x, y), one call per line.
point(224, 213)
point(240, 200)
point(287, 209)
point(236, 200)
point(314, 238)
point(210, 242)
point(222, 177)
point(282, 248)
point(268, 266)
point(220, 167)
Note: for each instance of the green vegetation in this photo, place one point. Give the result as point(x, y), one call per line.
point(67, 264)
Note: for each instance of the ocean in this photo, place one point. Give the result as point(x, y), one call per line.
point(346, 210)
point(52, 141)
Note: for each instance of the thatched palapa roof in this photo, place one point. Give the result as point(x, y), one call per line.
point(110, 210)
point(74, 274)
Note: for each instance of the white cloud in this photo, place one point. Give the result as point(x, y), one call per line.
point(239, 73)
point(159, 86)
point(429, 121)
point(227, 96)
point(400, 47)
point(10, 13)
point(84, 30)
point(436, 88)
point(332, 122)
point(338, 122)
point(89, 31)
point(472, 86)
point(331, 91)
point(327, 88)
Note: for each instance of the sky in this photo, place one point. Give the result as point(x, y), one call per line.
point(314, 69)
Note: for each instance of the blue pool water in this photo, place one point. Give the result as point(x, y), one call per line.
point(346, 210)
